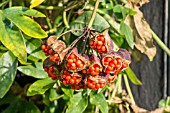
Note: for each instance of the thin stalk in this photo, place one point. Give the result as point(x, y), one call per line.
point(68, 32)
point(93, 14)
point(48, 21)
point(160, 43)
point(128, 88)
point(65, 19)
point(118, 82)
point(56, 98)
point(10, 3)
point(49, 7)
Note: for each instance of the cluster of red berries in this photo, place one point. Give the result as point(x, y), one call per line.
point(86, 69)
point(98, 44)
point(73, 62)
point(69, 79)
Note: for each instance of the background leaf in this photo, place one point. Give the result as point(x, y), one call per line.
point(8, 68)
point(100, 101)
point(77, 103)
point(40, 86)
point(125, 30)
point(99, 23)
point(132, 76)
point(27, 107)
point(35, 70)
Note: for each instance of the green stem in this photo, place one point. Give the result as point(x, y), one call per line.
point(68, 32)
point(49, 7)
point(111, 21)
point(65, 19)
point(10, 3)
point(160, 43)
point(128, 88)
point(94, 14)
point(56, 98)
point(48, 21)
point(118, 82)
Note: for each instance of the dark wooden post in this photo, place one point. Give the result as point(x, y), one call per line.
point(151, 73)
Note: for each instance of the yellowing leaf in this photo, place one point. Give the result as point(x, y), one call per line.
point(141, 32)
point(35, 3)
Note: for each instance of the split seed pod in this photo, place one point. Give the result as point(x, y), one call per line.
point(102, 43)
point(75, 62)
point(95, 65)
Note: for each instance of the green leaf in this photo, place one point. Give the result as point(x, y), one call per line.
point(100, 101)
point(13, 106)
point(35, 3)
point(28, 107)
point(161, 103)
point(33, 47)
point(132, 76)
point(40, 86)
point(26, 24)
point(35, 70)
point(18, 10)
point(8, 68)
point(3, 50)
point(32, 58)
point(12, 38)
point(123, 11)
point(8, 98)
point(125, 30)
point(77, 104)
point(168, 101)
point(99, 23)
point(67, 90)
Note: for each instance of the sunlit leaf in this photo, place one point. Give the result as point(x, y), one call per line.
point(34, 70)
point(132, 76)
point(26, 24)
point(77, 104)
point(8, 68)
point(12, 38)
point(40, 86)
point(35, 3)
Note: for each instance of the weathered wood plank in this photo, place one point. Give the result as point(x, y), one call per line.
point(151, 73)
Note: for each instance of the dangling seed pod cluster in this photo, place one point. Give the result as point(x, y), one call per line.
point(92, 65)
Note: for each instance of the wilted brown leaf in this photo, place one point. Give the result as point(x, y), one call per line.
point(142, 32)
point(139, 3)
